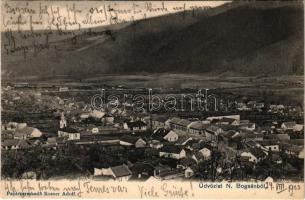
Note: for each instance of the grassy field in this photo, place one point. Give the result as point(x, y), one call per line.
point(281, 87)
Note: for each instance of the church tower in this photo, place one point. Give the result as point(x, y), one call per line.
point(63, 121)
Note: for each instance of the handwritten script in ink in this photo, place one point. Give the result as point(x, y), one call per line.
point(33, 27)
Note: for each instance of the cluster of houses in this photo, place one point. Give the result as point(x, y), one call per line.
point(188, 142)
point(17, 135)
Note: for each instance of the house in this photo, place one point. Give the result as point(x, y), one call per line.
point(196, 127)
point(27, 132)
point(171, 136)
point(253, 155)
point(288, 125)
point(132, 141)
point(97, 114)
point(186, 141)
point(95, 130)
point(161, 169)
point(297, 142)
point(235, 117)
point(272, 145)
point(251, 144)
point(54, 141)
point(288, 168)
point(228, 152)
point(161, 133)
point(276, 158)
point(225, 121)
point(294, 150)
point(197, 157)
point(15, 144)
point(108, 119)
point(172, 122)
point(254, 104)
point(158, 122)
point(172, 151)
point(242, 106)
point(259, 105)
point(229, 121)
point(121, 172)
point(247, 126)
point(142, 170)
point(164, 172)
point(229, 136)
point(70, 133)
point(137, 125)
point(212, 132)
point(21, 125)
point(11, 126)
point(29, 175)
point(179, 124)
point(84, 116)
point(292, 126)
point(185, 163)
point(251, 104)
point(206, 153)
point(156, 144)
point(63, 89)
point(251, 135)
point(189, 172)
point(298, 128)
point(6, 135)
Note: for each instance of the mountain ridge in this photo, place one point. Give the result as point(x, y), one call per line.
point(240, 38)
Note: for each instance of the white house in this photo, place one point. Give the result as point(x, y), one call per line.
point(70, 133)
point(189, 172)
point(171, 136)
point(27, 132)
point(130, 141)
point(97, 114)
point(95, 130)
point(162, 133)
point(253, 155)
point(206, 153)
point(84, 116)
point(292, 126)
point(273, 145)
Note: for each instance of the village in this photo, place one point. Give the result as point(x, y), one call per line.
point(46, 135)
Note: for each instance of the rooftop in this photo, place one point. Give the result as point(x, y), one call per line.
point(121, 170)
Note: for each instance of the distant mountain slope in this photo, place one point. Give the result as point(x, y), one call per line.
point(237, 37)
point(240, 38)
